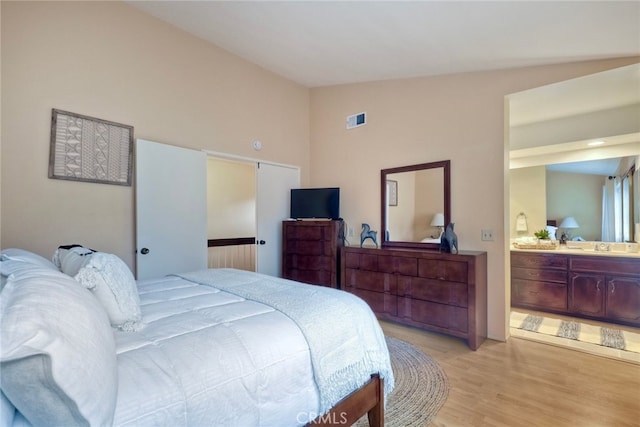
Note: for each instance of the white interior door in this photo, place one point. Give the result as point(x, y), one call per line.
point(171, 209)
point(273, 200)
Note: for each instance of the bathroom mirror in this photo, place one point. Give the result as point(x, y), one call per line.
point(570, 137)
point(415, 204)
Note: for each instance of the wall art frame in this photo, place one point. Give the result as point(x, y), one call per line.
point(89, 149)
point(392, 191)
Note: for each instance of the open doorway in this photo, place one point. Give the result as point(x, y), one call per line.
point(549, 132)
point(247, 200)
point(231, 214)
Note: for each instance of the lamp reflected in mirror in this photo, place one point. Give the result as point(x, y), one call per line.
point(438, 221)
point(567, 225)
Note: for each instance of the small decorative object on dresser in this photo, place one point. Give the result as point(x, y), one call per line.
point(368, 233)
point(449, 240)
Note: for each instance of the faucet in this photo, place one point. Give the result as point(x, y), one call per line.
point(605, 247)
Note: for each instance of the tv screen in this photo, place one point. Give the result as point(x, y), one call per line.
point(315, 203)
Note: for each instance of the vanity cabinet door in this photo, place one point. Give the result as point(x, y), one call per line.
point(586, 294)
point(539, 295)
point(623, 299)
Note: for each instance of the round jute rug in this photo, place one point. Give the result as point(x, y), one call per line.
point(421, 387)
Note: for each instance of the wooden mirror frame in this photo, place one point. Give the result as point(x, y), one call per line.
point(446, 170)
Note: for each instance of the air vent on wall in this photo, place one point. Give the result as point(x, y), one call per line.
point(356, 120)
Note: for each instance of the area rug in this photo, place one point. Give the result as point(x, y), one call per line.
point(606, 341)
point(421, 387)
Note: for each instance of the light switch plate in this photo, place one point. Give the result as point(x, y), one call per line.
point(487, 235)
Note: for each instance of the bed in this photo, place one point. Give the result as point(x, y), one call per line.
point(213, 347)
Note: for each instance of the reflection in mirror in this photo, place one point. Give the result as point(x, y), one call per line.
point(557, 130)
point(415, 204)
point(584, 202)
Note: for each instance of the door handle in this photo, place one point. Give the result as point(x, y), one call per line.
point(144, 251)
point(261, 242)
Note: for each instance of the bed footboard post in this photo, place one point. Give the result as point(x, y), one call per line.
point(376, 414)
point(368, 399)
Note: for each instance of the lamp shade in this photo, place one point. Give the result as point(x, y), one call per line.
point(569, 222)
point(438, 220)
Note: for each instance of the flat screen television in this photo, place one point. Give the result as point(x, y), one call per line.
point(315, 203)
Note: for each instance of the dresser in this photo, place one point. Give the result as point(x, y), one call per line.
point(426, 289)
point(598, 287)
point(310, 251)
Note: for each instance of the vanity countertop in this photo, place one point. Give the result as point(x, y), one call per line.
point(563, 249)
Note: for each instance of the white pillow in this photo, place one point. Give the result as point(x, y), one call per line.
point(111, 281)
point(26, 256)
point(57, 350)
point(71, 260)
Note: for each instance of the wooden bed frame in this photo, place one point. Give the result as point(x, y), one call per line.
point(368, 399)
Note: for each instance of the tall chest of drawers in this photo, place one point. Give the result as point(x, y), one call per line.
point(310, 251)
point(427, 289)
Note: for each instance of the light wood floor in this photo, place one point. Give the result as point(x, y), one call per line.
point(524, 383)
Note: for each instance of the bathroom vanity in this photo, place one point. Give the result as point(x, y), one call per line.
point(596, 285)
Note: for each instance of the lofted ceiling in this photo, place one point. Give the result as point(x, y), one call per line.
point(321, 43)
point(324, 43)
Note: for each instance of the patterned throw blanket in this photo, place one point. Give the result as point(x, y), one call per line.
point(345, 339)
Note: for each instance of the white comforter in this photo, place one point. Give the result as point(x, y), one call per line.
point(208, 357)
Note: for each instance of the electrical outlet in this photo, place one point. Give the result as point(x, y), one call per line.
point(350, 232)
point(487, 235)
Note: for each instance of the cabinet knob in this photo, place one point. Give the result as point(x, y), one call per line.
point(144, 251)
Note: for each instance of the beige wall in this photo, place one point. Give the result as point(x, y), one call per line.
point(458, 117)
point(111, 61)
point(401, 216)
point(577, 195)
point(108, 60)
point(529, 196)
point(231, 199)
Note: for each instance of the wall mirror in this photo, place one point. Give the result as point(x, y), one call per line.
point(415, 204)
point(566, 140)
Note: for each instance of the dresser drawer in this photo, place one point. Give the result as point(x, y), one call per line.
point(370, 280)
point(398, 264)
point(539, 294)
point(452, 271)
point(361, 261)
point(557, 276)
point(303, 232)
point(314, 277)
point(606, 265)
point(433, 290)
point(380, 303)
point(310, 262)
point(307, 247)
point(531, 260)
point(433, 314)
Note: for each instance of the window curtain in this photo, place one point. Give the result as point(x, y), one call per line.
point(612, 211)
